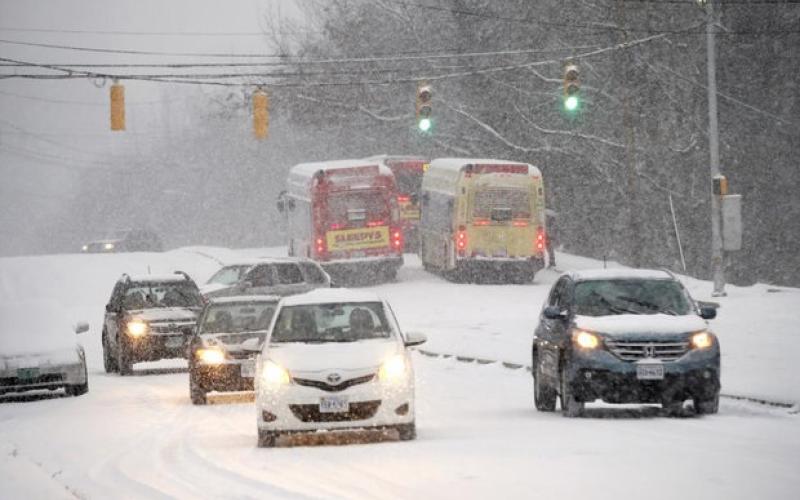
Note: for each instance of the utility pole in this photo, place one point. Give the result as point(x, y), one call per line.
point(717, 263)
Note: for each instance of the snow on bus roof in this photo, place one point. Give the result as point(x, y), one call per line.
point(309, 169)
point(456, 164)
point(330, 296)
point(619, 274)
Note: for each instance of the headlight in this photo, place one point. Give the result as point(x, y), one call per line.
point(137, 328)
point(393, 369)
point(211, 356)
point(274, 374)
point(702, 340)
point(85, 248)
point(585, 339)
point(108, 246)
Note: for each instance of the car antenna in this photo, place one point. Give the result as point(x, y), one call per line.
point(148, 269)
point(604, 262)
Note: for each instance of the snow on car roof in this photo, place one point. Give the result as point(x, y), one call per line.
point(619, 274)
point(156, 278)
point(330, 296)
point(235, 299)
point(456, 164)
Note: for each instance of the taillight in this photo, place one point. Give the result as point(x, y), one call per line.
point(397, 239)
point(520, 223)
point(403, 198)
point(481, 222)
point(335, 226)
point(540, 239)
point(375, 223)
point(321, 247)
point(461, 240)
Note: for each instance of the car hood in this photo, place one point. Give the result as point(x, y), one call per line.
point(42, 358)
point(162, 314)
point(633, 326)
point(297, 357)
point(212, 287)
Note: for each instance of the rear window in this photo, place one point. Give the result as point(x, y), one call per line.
point(357, 207)
point(502, 204)
point(289, 274)
point(313, 273)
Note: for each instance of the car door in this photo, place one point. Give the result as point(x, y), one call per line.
point(551, 333)
point(290, 279)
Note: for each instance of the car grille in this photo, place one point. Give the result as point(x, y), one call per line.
point(242, 355)
point(41, 379)
point(358, 411)
point(170, 328)
point(636, 350)
point(333, 388)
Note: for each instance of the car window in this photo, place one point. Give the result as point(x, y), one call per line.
point(314, 274)
point(156, 295)
point(238, 318)
point(289, 274)
point(322, 323)
point(631, 296)
point(228, 275)
point(558, 294)
point(261, 276)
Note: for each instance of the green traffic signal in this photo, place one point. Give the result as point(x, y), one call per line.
point(424, 124)
point(571, 103)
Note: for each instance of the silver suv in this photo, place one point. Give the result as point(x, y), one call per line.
point(266, 276)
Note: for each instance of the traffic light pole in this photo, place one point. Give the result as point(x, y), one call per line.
point(717, 263)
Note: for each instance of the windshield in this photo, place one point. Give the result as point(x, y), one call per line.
point(155, 295)
point(607, 297)
point(358, 207)
point(228, 275)
point(238, 318)
point(320, 323)
point(500, 204)
point(408, 182)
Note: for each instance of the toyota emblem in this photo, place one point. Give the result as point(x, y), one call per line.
point(334, 378)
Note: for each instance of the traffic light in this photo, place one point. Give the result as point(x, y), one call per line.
point(424, 94)
point(117, 107)
point(572, 99)
point(260, 114)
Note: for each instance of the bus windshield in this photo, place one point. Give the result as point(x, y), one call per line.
point(502, 204)
point(355, 207)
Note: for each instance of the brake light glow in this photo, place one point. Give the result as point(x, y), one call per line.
point(397, 239)
point(336, 226)
point(461, 240)
point(481, 222)
point(540, 239)
point(321, 247)
point(403, 198)
point(374, 223)
point(520, 223)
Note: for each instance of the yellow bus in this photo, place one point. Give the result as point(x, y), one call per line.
point(482, 220)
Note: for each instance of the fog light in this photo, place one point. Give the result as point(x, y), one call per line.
point(587, 375)
point(706, 374)
point(268, 417)
point(402, 409)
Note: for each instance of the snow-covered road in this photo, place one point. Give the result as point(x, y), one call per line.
point(479, 436)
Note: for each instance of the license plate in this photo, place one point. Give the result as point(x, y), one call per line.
point(27, 373)
point(173, 342)
point(650, 372)
point(333, 404)
point(249, 368)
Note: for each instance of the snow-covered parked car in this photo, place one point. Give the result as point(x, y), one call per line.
point(149, 318)
point(266, 276)
point(334, 359)
point(38, 352)
point(218, 361)
point(624, 336)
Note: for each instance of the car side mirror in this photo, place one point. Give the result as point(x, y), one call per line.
point(707, 312)
point(81, 327)
point(553, 312)
point(415, 339)
point(253, 344)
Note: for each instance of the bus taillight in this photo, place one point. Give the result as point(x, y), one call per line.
point(461, 240)
point(397, 239)
point(321, 247)
point(403, 198)
point(375, 223)
point(540, 239)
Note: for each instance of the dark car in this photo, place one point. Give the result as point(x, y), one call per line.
point(267, 276)
point(218, 359)
point(129, 240)
point(149, 318)
point(624, 336)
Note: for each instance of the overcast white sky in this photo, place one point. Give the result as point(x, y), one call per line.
point(48, 128)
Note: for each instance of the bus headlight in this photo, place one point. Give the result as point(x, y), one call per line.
point(274, 374)
point(702, 340)
point(393, 369)
point(585, 340)
point(136, 328)
point(212, 356)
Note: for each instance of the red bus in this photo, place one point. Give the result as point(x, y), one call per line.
point(407, 172)
point(344, 214)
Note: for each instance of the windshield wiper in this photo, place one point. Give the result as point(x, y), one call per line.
point(649, 305)
point(614, 308)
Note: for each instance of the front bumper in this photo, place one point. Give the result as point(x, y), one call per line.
point(501, 269)
point(154, 347)
point(42, 377)
point(295, 408)
point(600, 375)
point(224, 377)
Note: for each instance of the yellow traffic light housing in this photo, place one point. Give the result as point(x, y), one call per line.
point(117, 107)
point(260, 114)
point(424, 108)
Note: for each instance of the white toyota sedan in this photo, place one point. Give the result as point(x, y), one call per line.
point(334, 359)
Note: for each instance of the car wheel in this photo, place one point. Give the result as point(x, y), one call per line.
point(407, 432)
point(267, 439)
point(124, 362)
point(672, 408)
point(196, 393)
point(109, 363)
point(570, 407)
point(544, 396)
point(707, 406)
